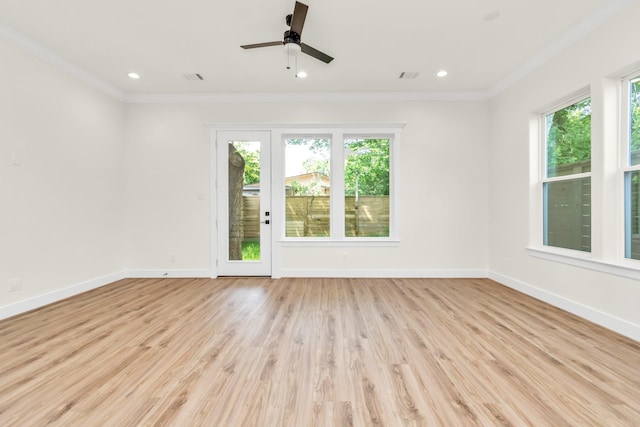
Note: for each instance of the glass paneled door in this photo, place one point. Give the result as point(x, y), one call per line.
point(244, 203)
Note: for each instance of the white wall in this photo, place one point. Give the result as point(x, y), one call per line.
point(61, 216)
point(442, 166)
point(609, 299)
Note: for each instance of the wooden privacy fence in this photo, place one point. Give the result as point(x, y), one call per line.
point(569, 208)
point(308, 216)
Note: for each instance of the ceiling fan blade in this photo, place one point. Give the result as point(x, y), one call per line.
point(315, 53)
point(267, 44)
point(299, 15)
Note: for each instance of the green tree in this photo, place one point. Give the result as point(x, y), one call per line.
point(316, 146)
point(634, 125)
point(313, 189)
point(316, 165)
point(569, 135)
point(251, 158)
point(366, 159)
point(367, 163)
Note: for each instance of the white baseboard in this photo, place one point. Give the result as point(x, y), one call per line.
point(621, 326)
point(57, 295)
point(608, 321)
point(153, 274)
point(417, 274)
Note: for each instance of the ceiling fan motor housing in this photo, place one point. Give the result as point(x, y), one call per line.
point(291, 37)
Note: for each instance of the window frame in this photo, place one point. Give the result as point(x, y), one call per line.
point(544, 179)
point(338, 135)
point(626, 168)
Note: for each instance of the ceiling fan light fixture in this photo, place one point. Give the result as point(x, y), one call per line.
point(292, 49)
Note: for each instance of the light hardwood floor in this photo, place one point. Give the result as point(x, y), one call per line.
point(305, 352)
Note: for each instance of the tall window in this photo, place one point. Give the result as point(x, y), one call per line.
point(338, 186)
point(366, 187)
point(307, 186)
point(632, 169)
point(567, 177)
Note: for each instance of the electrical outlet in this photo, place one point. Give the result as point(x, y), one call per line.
point(15, 284)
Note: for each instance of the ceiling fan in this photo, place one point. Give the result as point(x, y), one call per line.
point(293, 34)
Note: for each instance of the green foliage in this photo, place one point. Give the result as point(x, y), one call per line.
point(251, 162)
point(250, 251)
point(316, 165)
point(368, 160)
point(318, 145)
point(313, 189)
point(569, 134)
point(634, 125)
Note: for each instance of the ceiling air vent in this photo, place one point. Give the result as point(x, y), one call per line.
point(408, 75)
point(193, 76)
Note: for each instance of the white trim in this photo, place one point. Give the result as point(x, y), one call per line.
point(616, 324)
point(298, 97)
point(38, 301)
point(369, 273)
point(358, 242)
point(606, 320)
point(159, 273)
point(52, 58)
point(577, 259)
point(569, 177)
point(213, 206)
point(566, 39)
point(308, 128)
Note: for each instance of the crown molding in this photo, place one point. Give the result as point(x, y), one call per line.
point(52, 58)
point(566, 39)
point(226, 98)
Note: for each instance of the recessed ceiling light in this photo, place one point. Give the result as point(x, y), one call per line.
point(301, 74)
point(134, 75)
point(442, 73)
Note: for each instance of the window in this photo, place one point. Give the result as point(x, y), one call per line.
point(307, 187)
point(632, 168)
point(567, 177)
point(339, 186)
point(366, 187)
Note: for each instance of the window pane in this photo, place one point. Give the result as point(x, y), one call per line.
point(366, 186)
point(632, 215)
point(567, 220)
point(568, 139)
point(307, 187)
point(634, 122)
point(244, 200)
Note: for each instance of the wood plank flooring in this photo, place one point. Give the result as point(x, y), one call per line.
point(313, 352)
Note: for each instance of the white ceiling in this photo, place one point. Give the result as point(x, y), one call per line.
point(372, 41)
